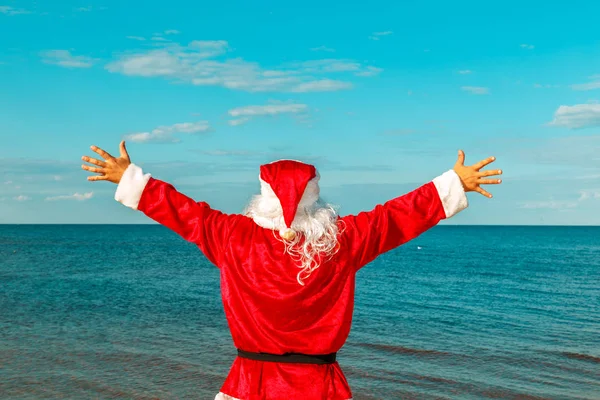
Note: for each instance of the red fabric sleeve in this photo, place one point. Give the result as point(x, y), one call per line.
point(369, 234)
point(194, 221)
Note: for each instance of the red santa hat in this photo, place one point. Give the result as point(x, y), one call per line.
point(288, 179)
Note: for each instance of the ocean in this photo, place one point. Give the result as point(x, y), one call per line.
point(462, 312)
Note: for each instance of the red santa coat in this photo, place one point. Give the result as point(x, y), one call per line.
point(266, 309)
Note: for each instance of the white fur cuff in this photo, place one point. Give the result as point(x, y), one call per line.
point(223, 396)
point(130, 188)
point(451, 192)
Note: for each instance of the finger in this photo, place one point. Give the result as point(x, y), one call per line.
point(102, 153)
point(490, 172)
point(483, 192)
point(93, 161)
point(461, 158)
point(93, 169)
point(123, 150)
point(97, 178)
point(483, 163)
point(489, 181)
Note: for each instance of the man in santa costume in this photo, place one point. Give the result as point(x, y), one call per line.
point(288, 263)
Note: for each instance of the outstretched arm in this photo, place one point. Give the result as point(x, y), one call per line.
point(402, 219)
point(195, 221)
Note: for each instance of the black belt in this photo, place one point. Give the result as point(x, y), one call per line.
point(289, 357)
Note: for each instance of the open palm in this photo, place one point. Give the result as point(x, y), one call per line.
point(471, 176)
point(110, 168)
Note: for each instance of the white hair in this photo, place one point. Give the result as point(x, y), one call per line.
point(315, 225)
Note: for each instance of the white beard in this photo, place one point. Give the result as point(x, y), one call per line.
point(315, 224)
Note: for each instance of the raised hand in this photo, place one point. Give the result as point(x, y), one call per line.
point(110, 169)
point(471, 177)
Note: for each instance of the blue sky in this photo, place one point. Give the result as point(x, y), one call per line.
point(378, 95)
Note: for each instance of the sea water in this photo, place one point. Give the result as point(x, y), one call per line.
point(462, 312)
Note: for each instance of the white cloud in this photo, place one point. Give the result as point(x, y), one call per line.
point(172, 32)
point(476, 89)
point(159, 39)
point(174, 61)
point(323, 85)
point(200, 63)
point(527, 46)
point(148, 137)
point(220, 46)
point(270, 109)
point(328, 65)
point(139, 38)
point(544, 86)
point(64, 58)
point(304, 119)
point(589, 194)
point(465, 71)
point(165, 134)
point(89, 8)
point(8, 182)
point(577, 116)
point(323, 48)
point(378, 35)
point(370, 71)
point(7, 10)
point(588, 86)
point(22, 198)
point(244, 114)
point(75, 196)
point(239, 121)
